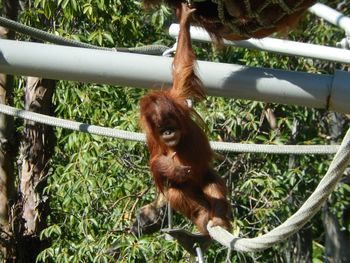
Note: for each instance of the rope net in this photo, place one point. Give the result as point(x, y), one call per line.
point(243, 19)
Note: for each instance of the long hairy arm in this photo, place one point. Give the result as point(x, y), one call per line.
point(186, 82)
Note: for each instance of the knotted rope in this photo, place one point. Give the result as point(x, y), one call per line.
point(300, 218)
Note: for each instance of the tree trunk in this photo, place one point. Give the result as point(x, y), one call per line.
point(300, 244)
point(300, 247)
point(20, 229)
point(29, 211)
point(36, 150)
point(8, 143)
point(337, 241)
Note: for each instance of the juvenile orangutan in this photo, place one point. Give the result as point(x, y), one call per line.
point(180, 152)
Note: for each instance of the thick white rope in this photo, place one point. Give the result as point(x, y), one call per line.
point(280, 233)
point(300, 218)
point(140, 137)
point(71, 125)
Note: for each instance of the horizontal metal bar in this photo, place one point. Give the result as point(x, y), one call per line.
point(275, 45)
point(332, 16)
point(125, 69)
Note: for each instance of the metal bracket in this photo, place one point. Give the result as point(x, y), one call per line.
point(189, 241)
point(171, 51)
point(344, 43)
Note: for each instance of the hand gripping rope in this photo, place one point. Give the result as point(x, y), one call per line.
point(300, 218)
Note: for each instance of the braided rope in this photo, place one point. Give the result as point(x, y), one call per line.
point(300, 218)
point(139, 137)
point(52, 38)
point(42, 35)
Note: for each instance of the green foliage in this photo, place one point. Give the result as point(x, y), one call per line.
point(103, 22)
point(97, 183)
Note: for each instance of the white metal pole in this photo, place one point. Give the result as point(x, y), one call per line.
point(219, 79)
point(275, 45)
point(200, 257)
point(332, 16)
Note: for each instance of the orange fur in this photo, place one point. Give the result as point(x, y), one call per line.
point(183, 172)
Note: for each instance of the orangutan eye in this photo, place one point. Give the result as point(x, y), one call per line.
point(168, 131)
